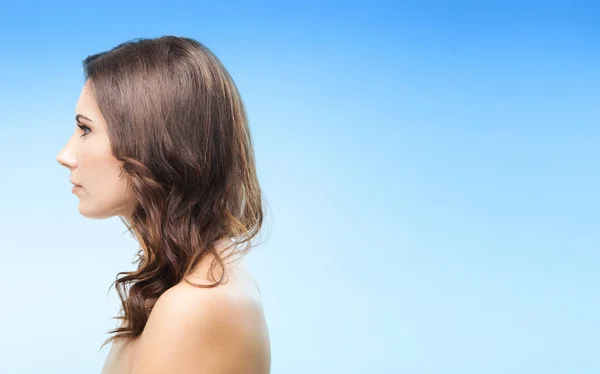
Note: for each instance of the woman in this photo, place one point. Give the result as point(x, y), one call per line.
point(162, 141)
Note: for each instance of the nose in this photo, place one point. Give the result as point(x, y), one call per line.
point(66, 157)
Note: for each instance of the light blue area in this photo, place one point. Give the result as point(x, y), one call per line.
point(431, 170)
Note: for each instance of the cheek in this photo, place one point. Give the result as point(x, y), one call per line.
point(98, 166)
point(100, 172)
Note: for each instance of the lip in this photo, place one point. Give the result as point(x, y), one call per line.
point(76, 187)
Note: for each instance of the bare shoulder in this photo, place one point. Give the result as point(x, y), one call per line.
point(230, 307)
point(207, 330)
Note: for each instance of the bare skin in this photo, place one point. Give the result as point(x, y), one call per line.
point(190, 329)
point(217, 330)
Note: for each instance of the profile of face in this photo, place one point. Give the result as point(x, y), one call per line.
point(95, 172)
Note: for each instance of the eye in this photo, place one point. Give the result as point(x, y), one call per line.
point(86, 130)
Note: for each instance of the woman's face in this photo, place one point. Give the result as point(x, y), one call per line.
point(102, 192)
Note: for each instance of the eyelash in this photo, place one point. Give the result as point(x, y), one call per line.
point(84, 128)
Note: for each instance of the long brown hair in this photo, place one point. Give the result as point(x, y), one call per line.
point(176, 122)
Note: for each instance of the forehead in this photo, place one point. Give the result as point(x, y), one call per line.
point(86, 104)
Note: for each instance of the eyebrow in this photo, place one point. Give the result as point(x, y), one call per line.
point(77, 117)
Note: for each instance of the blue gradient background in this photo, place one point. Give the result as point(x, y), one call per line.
point(430, 169)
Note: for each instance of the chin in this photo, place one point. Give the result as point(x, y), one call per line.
point(91, 213)
point(95, 213)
